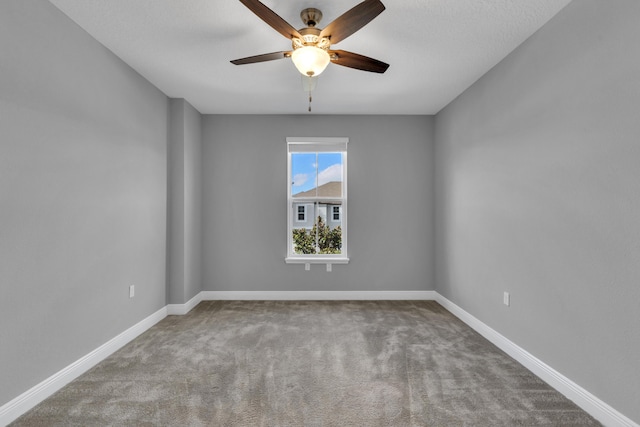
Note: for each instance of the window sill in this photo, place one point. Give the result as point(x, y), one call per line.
point(316, 260)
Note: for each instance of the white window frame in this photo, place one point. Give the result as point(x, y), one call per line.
point(317, 145)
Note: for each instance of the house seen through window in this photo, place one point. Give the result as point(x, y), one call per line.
point(317, 199)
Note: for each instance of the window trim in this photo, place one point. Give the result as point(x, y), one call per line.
point(312, 145)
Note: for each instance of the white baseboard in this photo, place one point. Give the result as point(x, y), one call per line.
point(182, 309)
point(27, 400)
point(318, 295)
point(595, 407)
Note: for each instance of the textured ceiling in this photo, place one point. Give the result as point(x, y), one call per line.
point(436, 48)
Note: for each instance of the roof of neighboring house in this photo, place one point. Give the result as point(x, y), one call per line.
point(330, 189)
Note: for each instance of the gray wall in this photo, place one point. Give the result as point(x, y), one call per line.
point(184, 209)
point(538, 194)
point(175, 203)
point(193, 202)
point(390, 181)
point(82, 194)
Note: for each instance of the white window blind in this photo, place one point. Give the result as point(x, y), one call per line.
point(317, 145)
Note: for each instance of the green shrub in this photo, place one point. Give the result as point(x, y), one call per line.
point(329, 241)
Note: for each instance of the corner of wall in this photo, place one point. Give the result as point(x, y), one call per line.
point(184, 206)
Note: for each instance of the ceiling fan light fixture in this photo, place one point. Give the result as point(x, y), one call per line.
point(310, 60)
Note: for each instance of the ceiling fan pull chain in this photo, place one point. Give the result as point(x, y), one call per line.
point(310, 82)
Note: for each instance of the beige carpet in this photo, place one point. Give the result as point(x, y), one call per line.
point(275, 363)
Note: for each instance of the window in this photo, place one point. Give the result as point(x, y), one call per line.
point(302, 213)
point(317, 200)
point(336, 213)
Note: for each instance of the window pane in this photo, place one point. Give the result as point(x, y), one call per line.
point(317, 234)
point(330, 174)
point(303, 233)
point(328, 232)
point(303, 174)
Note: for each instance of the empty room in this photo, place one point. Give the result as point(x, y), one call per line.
point(320, 213)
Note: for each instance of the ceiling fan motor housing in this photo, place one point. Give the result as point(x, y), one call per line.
point(310, 37)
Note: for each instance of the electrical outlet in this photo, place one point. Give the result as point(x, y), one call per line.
point(506, 299)
point(132, 291)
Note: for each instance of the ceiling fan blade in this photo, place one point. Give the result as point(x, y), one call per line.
point(359, 62)
point(352, 20)
point(271, 18)
point(261, 58)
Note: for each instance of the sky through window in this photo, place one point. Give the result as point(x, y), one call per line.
point(311, 170)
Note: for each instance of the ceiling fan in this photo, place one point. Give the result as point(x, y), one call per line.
point(311, 45)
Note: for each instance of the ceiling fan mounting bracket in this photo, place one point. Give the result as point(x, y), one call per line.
point(311, 16)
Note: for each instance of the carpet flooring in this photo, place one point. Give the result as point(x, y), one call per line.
point(308, 363)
